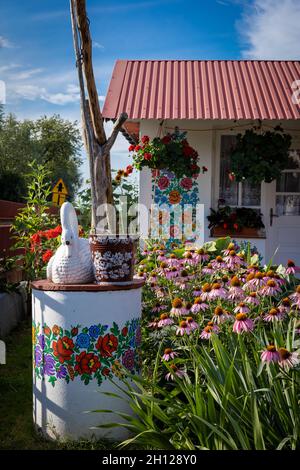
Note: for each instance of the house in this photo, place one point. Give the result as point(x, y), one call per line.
point(214, 101)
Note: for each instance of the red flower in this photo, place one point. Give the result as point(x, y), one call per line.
point(129, 169)
point(137, 148)
point(74, 331)
point(47, 255)
point(124, 331)
point(107, 344)
point(163, 182)
point(47, 330)
point(188, 151)
point(145, 139)
point(231, 176)
point(204, 169)
point(195, 167)
point(147, 156)
point(155, 173)
point(36, 238)
point(225, 225)
point(186, 183)
point(131, 148)
point(87, 363)
point(105, 371)
point(63, 349)
point(235, 226)
point(166, 139)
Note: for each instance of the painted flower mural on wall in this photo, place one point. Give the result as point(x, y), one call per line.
point(94, 352)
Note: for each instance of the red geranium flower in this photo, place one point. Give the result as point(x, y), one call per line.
point(47, 255)
point(137, 148)
point(63, 349)
point(87, 363)
point(166, 139)
point(147, 156)
point(131, 148)
point(129, 169)
point(145, 139)
point(36, 238)
point(107, 344)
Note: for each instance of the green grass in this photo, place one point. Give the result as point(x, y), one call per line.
point(16, 426)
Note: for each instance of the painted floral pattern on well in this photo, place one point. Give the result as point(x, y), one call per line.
point(86, 353)
point(167, 191)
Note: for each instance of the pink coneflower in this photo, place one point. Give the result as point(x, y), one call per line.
point(152, 279)
point(197, 293)
point(285, 305)
point(218, 263)
point(242, 308)
point(271, 288)
point(199, 305)
point(270, 354)
point(191, 323)
point(201, 256)
point(220, 315)
point(288, 359)
point(178, 308)
point(175, 371)
point(169, 354)
point(259, 279)
point(161, 256)
point(160, 293)
point(230, 247)
point(154, 323)
point(252, 298)
point(235, 291)
point(209, 330)
point(172, 273)
point(158, 307)
point(295, 297)
point(164, 320)
point(183, 328)
point(226, 280)
point(172, 260)
point(206, 289)
point(189, 258)
point(163, 267)
point(274, 315)
point(242, 324)
point(291, 268)
point(217, 292)
point(233, 261)
point(208, 269)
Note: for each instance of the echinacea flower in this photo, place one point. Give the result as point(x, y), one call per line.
point(189, 258)
point(169, 354)
point(218, 263)
point(270, 354)
point(233, 261)
point(252, 298)
point(291, 267)
point(153, 323)
point(201, 256)
point(274, 315)
point(217, 292)
point(158, 307)
point(288, 359)
point(209, 330)
point(183, 328)
point(208, 269)
point(199, 305)
point(285, 305)
point(206, 289)
point(175, 372)
point(230, 247)
point(242, 324)
point(271, 288)
point(164, 320)
point(172, 260)
point(295, 297)
point(220, 315)
point(172, 273)
point(178, 308)
point(235, 291)
point(191, 323)
point(242, 308)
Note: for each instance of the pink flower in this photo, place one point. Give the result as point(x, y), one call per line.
point(169, 354)
point(183, 328)
point(191, 323)
point(270, 354)
point(252, 298)
point(172, 260)
point(153, 324)
point(242, 308)
point(209, 330)
point(291, 268)
point(288, 359)
point(220, 315)
point(230, 247)
point(199, 305)
point(271, 288)
point(172, 273)
point(208, 269)
point(296, 297)
point(200, 256)
point(233, 261)
point(217, 292)
point(189, 258)
point(165, 320)
point(274, 315)
point(158, 307)
point(218, 263)
point(242, 324)
point(175, 372)
point(178, 308)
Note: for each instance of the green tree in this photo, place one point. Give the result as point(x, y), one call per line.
point(50, 141)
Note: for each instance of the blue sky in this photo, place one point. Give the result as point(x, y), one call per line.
point(37, 58)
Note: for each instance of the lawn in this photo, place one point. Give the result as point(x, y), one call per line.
point(16, 426)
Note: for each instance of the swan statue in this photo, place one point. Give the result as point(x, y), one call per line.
point(72, 261)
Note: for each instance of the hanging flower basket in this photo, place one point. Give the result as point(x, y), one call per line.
point(171, 152)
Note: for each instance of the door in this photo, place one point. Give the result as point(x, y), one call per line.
point(282, 215)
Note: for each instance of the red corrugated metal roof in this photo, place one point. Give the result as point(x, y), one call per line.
point(202, 89)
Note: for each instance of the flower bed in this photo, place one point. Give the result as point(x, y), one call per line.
point(221, 351)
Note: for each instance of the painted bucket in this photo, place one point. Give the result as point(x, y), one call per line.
point(113, 258)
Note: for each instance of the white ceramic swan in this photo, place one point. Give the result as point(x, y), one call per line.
point(72, 261)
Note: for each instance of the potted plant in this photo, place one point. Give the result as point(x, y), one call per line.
point(241, 222)
point(260, 156)
point(112, 252)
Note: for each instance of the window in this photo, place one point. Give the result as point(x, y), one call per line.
point(288, 187)
point(230, 192)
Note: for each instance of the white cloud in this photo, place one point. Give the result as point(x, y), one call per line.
point(34, 92)
point(97, 45)
point(4, 42)
point(25, 74)
point(271, 29)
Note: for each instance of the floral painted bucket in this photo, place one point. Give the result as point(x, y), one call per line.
point(113, 258)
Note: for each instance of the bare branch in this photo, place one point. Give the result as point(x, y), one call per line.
point(116, 129)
